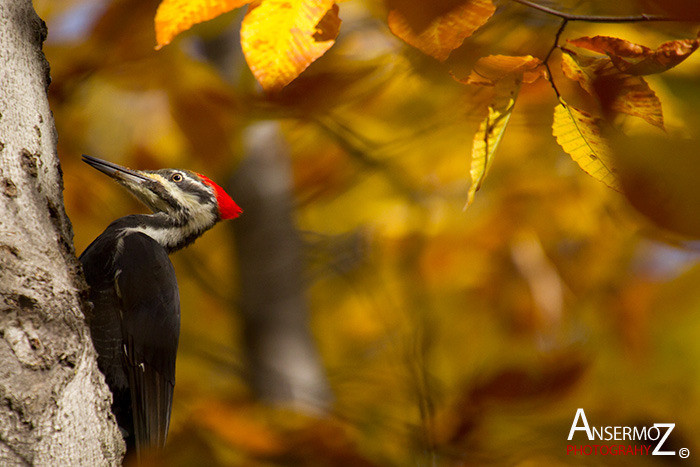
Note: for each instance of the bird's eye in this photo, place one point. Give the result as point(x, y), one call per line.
point(176, 177)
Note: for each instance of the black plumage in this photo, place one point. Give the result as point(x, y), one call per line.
point(135, 296)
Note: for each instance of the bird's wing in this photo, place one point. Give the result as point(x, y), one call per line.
point(147, 288)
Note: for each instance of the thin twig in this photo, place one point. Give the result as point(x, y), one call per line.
point(551, 81)
point(550, 78)
point(556, 39)
point(597, 19)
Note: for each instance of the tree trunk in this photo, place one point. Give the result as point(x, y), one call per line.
point(54, 405)
point(284, 365)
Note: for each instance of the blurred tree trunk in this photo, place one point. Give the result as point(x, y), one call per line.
point(284, 365)
point(54, 405)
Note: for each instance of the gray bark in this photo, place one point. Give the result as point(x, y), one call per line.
point(54, 405)
point(284, 365)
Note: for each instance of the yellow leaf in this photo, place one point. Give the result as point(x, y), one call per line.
point(491, 131)
point(617, 91)
point(281, 38)
point(175, 16)
point(435, 30)
point(579, 134)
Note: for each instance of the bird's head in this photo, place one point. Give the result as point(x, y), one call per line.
point(186, 197)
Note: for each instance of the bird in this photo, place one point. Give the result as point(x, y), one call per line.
point(135, 319)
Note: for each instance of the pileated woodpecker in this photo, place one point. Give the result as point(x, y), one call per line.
point(135, 324)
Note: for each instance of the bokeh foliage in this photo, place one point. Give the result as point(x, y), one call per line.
point(450, 336)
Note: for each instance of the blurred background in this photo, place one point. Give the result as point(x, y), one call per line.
point(356, 314)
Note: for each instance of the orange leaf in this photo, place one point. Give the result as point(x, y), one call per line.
point(582, 69)
point(610, 45)
point(445, 28)
point(635, 59)
point(175, 16)
point(633, 96)
point(281, 38)
point(489, 70)
point(618, 92)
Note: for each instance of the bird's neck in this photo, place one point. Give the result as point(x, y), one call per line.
point(172, 233)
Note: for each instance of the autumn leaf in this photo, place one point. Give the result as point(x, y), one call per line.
point(579, 134)
point(633, 96)
point(281, 38)
point(583, 69)
point(175, 16)
point(443, 32)
point(489, 70)
point(506, 74)
point(611, 45)
point(491, 131)
point(617, 91)
point(635, 59)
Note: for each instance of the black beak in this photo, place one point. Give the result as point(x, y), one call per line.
point(115, 171)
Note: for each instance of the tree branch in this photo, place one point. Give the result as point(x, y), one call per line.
point(556, 40)
point(564, 22)
point(596, 19)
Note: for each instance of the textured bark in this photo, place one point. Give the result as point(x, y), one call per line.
point(54, 405)
point(284, 365)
